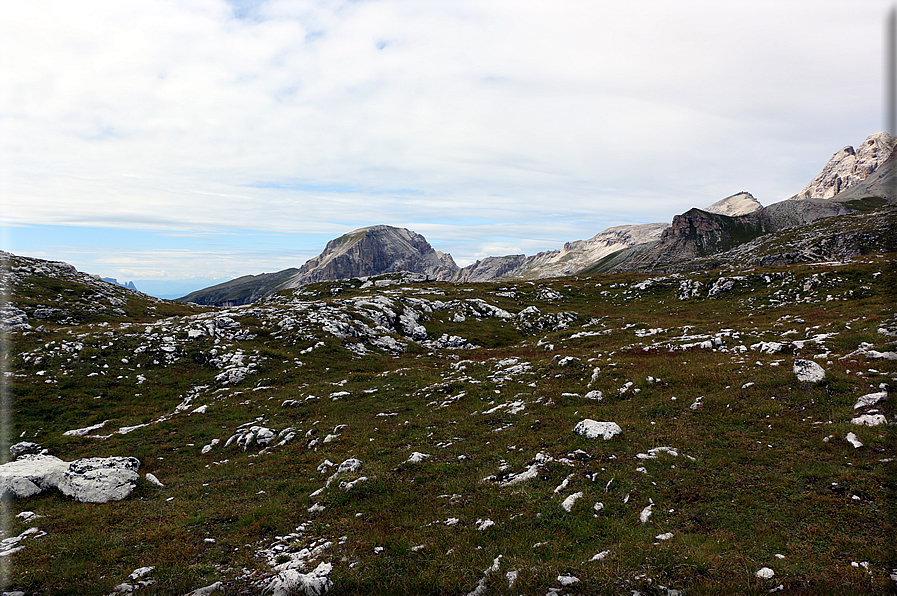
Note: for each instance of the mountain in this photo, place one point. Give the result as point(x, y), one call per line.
point(130, 285)
point(572, 258)
point(373, 250)
point(242, 290)
point(849, 166)
point(865, 178)
point(738, 204)
point(852, 180)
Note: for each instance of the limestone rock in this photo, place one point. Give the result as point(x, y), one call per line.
point(870, 399)
point(100, 479)
point(31, 474)
point(12, 318)
point(869, 420)
point(592, 429)
point(808, 371)
point(849, 167)
point(765, 573)
point(291, 582)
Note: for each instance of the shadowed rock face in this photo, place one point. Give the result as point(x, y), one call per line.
point(373, 251)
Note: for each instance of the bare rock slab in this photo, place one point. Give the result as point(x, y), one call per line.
point(90, 480)
point(31, 474)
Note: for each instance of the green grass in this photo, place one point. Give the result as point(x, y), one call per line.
point(754, 475)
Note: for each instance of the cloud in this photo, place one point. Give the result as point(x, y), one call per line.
point(323, 116)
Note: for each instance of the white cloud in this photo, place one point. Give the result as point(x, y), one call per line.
point(315, 116)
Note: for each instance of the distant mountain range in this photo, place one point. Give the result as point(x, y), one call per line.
point(129, 284)
point(852, 180)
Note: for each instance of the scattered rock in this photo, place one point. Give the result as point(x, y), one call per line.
point(592, 429)
point(206, 591)
point(870, 399)
point(567, 580)
point(853, 440)
point(23, 447)
point(869, 420)
point(291, 582)
point(765, 573)
point(808, 371)
point(568, 503)
point(645, 515)
point(100, 479)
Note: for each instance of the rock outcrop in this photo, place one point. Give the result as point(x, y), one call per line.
point(849, 167)
point(90, 480)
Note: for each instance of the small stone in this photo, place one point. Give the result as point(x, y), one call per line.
point(570, 501)
point(567, 580)
point(765, 573)
point(151, 478)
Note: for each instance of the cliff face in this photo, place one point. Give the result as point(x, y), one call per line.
point(849, 166)
point(698, 233)
point(373, 251)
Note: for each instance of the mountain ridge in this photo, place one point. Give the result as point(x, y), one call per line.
point(851, 180)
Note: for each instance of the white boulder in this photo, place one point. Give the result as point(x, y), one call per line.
point(31, 474)
point(808, 371)
point(592, 429)
point(100, 479)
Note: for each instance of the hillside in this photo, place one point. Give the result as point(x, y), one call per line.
point(242, 290)
point(726, 431)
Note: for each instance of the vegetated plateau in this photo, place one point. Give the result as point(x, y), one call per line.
point(386, 435)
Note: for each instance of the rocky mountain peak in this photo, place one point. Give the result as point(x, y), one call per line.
point(849, 166)
point(374, 250)
point(740, 203)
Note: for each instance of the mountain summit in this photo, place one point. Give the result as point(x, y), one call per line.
point(373, 251)
point(849, 167)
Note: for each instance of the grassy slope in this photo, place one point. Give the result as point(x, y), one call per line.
point(754, 476)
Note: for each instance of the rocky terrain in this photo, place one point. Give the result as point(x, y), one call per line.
point(724, 429)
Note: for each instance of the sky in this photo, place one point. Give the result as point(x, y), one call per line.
point(177, 143)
